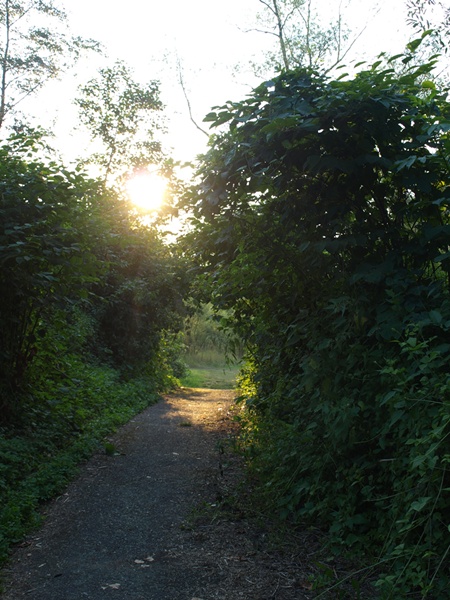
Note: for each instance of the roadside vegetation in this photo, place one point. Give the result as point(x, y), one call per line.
point(89, 312)
point(322, 227)
point(212, 356)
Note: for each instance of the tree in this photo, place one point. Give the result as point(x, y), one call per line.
point(430, 15)
point(140, 294)
point(181, 81)
point(433, 18)
point(34, 48)
point(123, 115)
point(301, 38)
point(322, 223)
point(47, 218)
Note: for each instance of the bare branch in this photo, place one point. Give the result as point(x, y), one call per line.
point(289, 15)
point(341, 58)
point(186, 97)
point(280, 27)
point(254, 29)
point(269, 6)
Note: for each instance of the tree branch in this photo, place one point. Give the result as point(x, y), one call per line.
point(186, 97)
point(341, 58)
point(254, 29)
point(267, 5)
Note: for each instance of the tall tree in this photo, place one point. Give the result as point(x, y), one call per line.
point(35, 46)
point(424, 15)
point(302, 39)
point(123, 115)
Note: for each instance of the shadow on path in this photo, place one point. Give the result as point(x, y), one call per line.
point(114, 533)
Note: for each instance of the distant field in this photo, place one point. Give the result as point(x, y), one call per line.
point(221, 378)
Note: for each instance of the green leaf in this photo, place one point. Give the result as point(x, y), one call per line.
point(436, 317)
point(406, 163)
point(212, 116)
point(419, 504)
point(414, 44)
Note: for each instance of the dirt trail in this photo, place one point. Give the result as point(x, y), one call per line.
point(121, 530)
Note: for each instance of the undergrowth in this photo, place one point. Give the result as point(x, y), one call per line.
point(368, 464)
point(59, 429)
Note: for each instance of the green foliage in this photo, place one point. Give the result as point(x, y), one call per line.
point(207, 337)
point(212, 354)
point(321, 218)
point(140, 295)
point(124, 116)
point(67, 242)
point(46, 260)
point(167, 365)
point(35, 47)
point(432, 17)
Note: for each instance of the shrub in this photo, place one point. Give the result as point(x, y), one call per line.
point(322, 223)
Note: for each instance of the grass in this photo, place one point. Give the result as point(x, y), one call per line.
point(218, 378)
point(209, 369)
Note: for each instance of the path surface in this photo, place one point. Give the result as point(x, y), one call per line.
point(114, 533)
point(122, 530)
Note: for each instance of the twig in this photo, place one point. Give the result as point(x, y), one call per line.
point(183, 87)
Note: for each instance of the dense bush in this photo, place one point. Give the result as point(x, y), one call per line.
point(67, 241)
point(139, 297)
point(46, 259)
point(322, 222)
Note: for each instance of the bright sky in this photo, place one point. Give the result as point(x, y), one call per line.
point(209, 38)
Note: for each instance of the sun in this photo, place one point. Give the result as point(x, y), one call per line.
point(146, 191)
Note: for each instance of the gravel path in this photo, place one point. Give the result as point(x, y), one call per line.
point(115, 532)
point(157, 520)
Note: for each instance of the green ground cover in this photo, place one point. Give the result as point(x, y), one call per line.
point(221, 378)
point(39, 457)
point(208, 367)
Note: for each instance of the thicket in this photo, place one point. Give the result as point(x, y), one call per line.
point(322, 222)
point(90, 309)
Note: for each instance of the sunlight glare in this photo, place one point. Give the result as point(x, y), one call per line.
point(146, 191)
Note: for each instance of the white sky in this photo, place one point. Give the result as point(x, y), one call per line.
point(208, 37)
